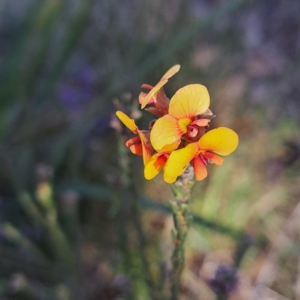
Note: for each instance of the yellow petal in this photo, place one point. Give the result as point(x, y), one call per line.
point(129, 123)
point(171, 72)
point(153, 91)
point(222, 141)
point(189, 101)
point(165, 134)
point(169, 179)
point(154, 166)
point(184, 123)
point(178, 161)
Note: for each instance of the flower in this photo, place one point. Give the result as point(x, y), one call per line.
point(178, 138)
point(139, 145)
point(183, 118)
point(156, 98)
point(221, 141)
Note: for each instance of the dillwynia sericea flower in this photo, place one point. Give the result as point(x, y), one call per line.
point(178, 137)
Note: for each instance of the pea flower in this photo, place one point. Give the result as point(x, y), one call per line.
point(183, 119)
point(178, 137)
point(156, 99)
point(139, 145)
point(221, 141)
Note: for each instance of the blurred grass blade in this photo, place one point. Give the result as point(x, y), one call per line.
point(13, 235)
point(46, 22)
point(31, 209)
point(73, 34)
point(12, 68)
point(27, 62)
point(87, 190)
point(236, 234)
point(92, 191)
point(41, 17)
point(56, 238)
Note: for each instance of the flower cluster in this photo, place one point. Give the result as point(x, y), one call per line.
point(178, 137)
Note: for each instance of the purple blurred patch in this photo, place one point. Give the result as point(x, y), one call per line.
point(79, 90)
point(225, 280)
point(87, 76)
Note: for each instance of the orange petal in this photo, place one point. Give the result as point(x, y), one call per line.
point(153, 91)
point(213, 158)
point(145, 148)
point(178, 161)
point(129, 123)
point(222, 141)
point(135, 145)
point(154, 166)
point(199, 168)
point(189, 101)
point(171, 72)
point(201, 122)
point(165, 134)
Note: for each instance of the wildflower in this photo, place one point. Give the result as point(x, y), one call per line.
point(139, 145)
point(156, 98)
point(178, 137)
point(183, 118)
point(222, 141)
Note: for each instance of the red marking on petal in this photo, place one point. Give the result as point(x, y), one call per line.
point(213, 158)
point(160, 162)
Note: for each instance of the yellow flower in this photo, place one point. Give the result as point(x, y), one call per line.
point(139, 145)
point(221, 141)
point(156, 99)
point(182, 119)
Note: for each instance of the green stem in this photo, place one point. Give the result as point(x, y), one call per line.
point(182, 219)
point(133, 203)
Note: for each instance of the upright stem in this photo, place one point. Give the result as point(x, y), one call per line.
point(182, 218)
point(135, 217)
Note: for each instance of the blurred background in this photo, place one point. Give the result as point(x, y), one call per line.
point(77, 218)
